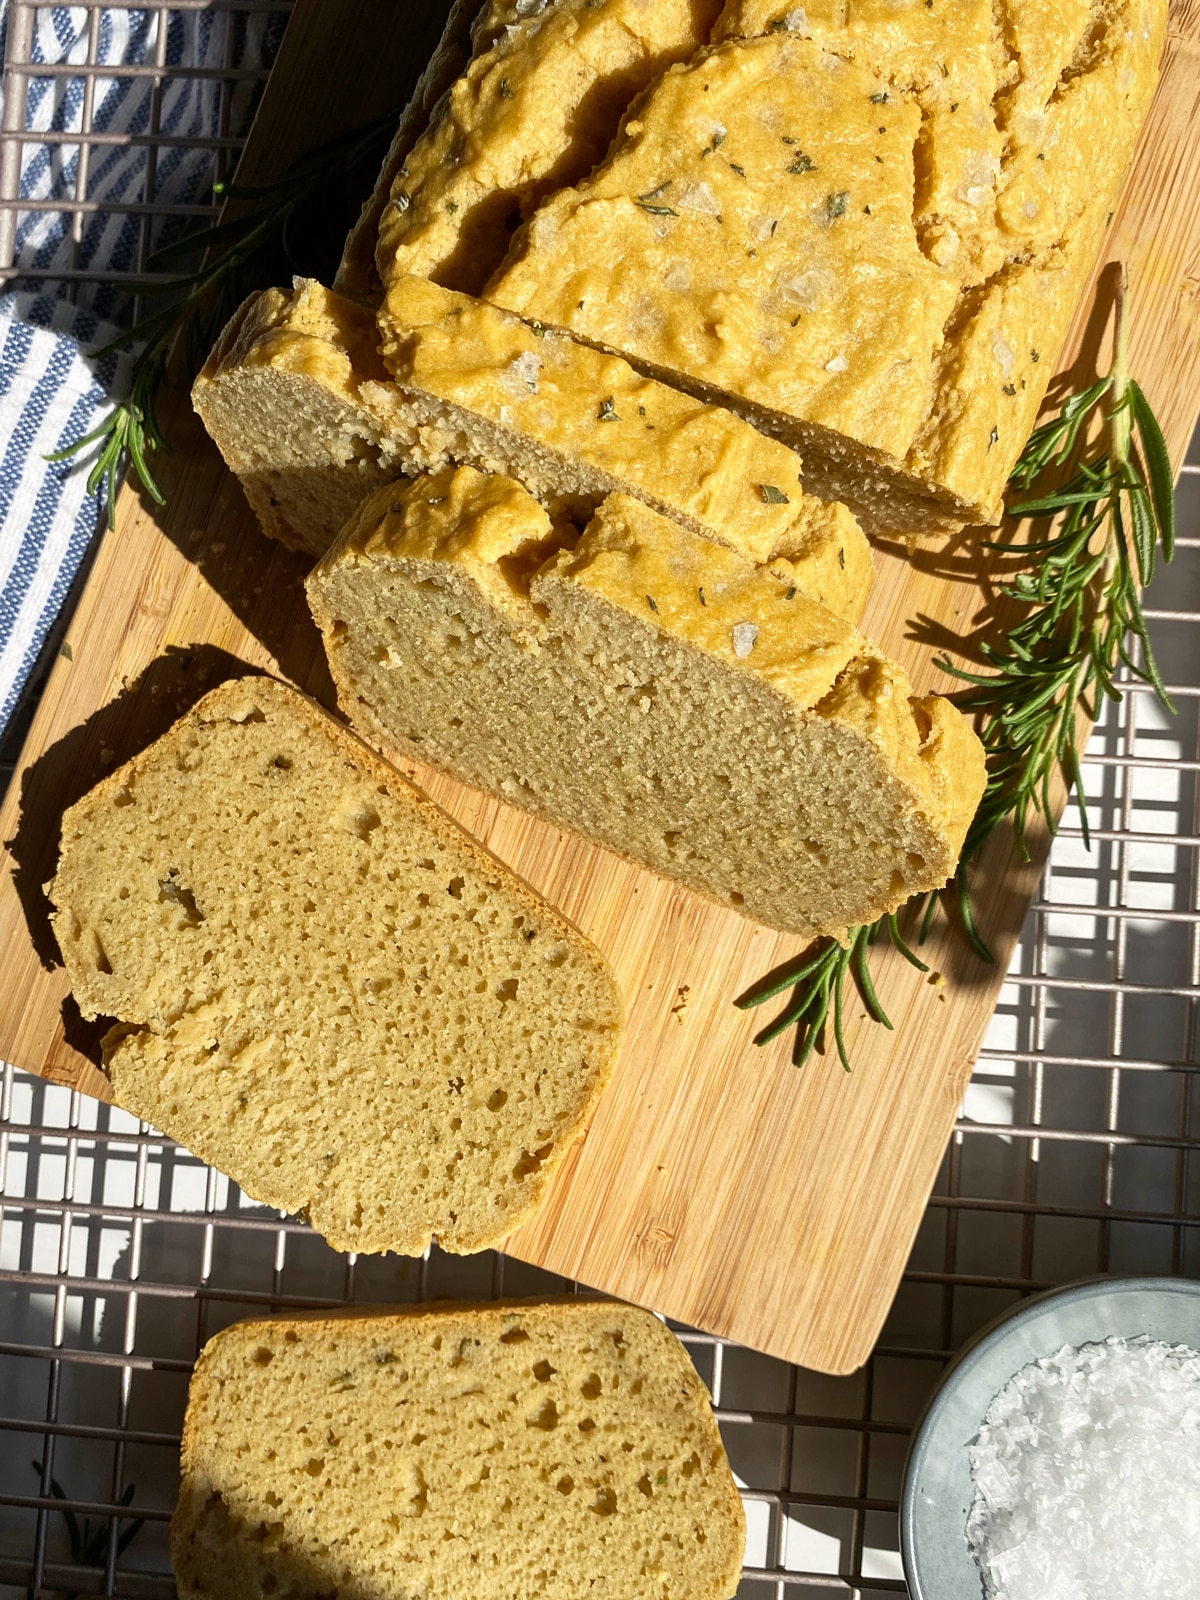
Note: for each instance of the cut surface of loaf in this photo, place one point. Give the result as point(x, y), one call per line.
point(868, 227)
point(650, 691)
point(281, 396)
point(480, 386)
point(455, 1453)
point(536, 108)
point(324, 987)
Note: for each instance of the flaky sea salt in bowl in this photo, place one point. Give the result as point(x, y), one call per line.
point(1060, 1458)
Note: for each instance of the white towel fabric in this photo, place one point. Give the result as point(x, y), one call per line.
point(51, 393)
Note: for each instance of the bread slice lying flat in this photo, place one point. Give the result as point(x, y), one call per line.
point(536, 107)
point(455, 1453)
point(866, 227)
point(324, 987)
point(651, 691)
point(295, 397)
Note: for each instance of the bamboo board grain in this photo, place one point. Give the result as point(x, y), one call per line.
point(716, 1184)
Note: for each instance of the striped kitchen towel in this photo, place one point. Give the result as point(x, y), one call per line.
point(51, 392)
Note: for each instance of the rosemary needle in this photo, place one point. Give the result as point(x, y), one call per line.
point(1108, 524)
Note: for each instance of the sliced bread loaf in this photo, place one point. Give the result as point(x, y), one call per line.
point(324, 987)
point(455, 1453)
point(651, 691)
point(536, 108)
point(300, 407)
point(866, 227)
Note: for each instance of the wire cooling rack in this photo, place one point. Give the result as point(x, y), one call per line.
point(1078, 1148)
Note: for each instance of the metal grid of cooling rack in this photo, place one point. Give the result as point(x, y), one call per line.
point(1078, 1151)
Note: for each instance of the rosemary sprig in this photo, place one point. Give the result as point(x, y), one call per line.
point(1108, 523)
point(236, 255)
point(88, 1545)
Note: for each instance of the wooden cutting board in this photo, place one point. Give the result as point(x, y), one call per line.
point(717, 1184)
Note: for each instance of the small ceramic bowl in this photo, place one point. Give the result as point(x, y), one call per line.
point(936, 1496)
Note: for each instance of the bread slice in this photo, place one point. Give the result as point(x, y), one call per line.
point(651, 691)
point(282, 397)
point(536, 108)
point(298, 403)
point(325, 988)
point(455, 1452)
point(865, 227)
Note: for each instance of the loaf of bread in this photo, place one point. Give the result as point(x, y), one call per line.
point(865, 227)
point(323, 986)
point(298, 403)
point(649, 690)
point(454, 1452)
point(536, 108)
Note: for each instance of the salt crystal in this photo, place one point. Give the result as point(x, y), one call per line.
point(520, 377)
point(1086, 1475)
point(744, 635)
point(698, 197)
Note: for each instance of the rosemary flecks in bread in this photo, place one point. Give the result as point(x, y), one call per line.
point(651, 691)
point(573, 425)
point(536, 108)
point(867, 227)
point(324, 987)
point(456, 1452)
point(301, 407)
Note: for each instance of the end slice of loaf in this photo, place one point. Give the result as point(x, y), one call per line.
point(651, 691)
point(536, 108)
point(281, 396)
point(866, 228)
point(324, 987)
point(455, 1453)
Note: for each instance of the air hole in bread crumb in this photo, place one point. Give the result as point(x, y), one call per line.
point(514, 1336)
point(123, 797)
point(496, 1101)
point(565, 1484)
point(590, 1387)
point(645, 1485)
point(605, 1503)
point(263, 1357)
point(315, 1466)
point(691, 1466)
point(587, 1425)
point(736, 899)
point(455, 887)
point(543, 1371)
point(545, 1417)
point(507, 989)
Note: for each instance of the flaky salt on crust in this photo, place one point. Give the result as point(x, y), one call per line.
point(536, 107)
point(304, 412)
point(651, 691)
point(868, 227)
point(324, 987)
point(457, 1453)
